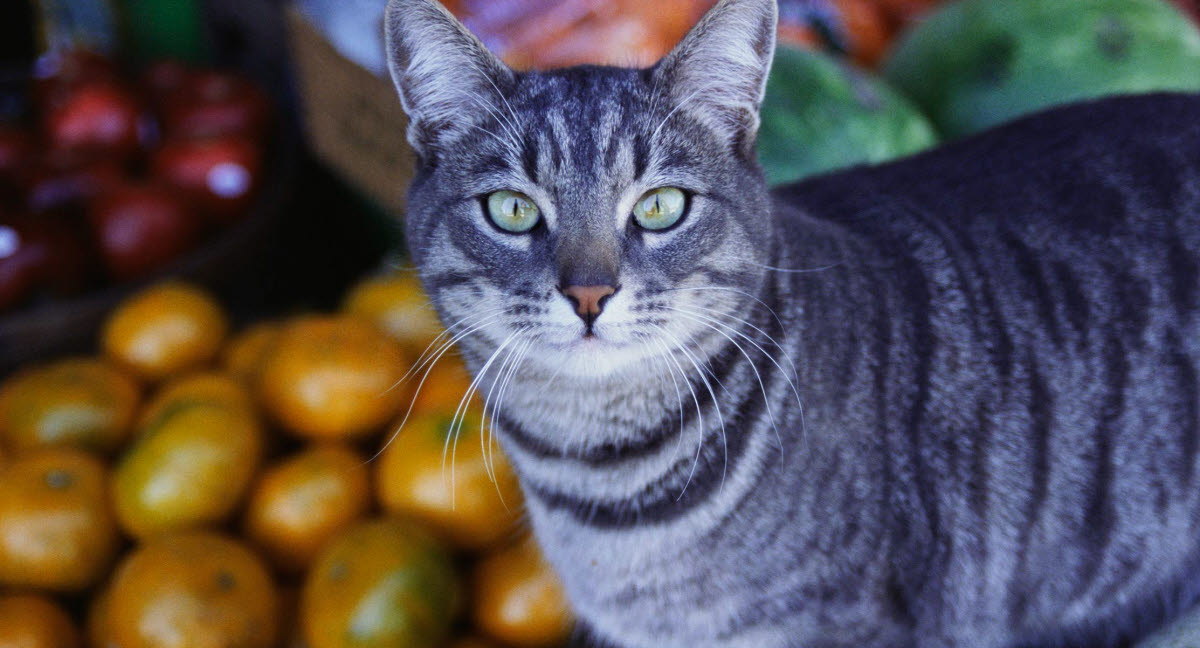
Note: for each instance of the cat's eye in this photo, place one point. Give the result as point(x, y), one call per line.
point(660, 208)
point(512, 212)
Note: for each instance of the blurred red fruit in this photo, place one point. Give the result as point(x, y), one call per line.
point(140, 228)
point(97, 117)
point(217, 176)
point(216, 103)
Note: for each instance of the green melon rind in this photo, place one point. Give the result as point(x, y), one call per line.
point(821, 114)
point(973, 64)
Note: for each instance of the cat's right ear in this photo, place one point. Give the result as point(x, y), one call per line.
point(446, 77)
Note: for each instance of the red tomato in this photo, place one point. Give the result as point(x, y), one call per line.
point(141, 228)
point(95, 117)
point(216, 103)
point(218, 175)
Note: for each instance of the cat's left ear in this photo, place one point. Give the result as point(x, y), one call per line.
point(447, 79)
point(718, 72)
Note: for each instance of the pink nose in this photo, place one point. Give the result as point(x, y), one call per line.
point(588, 300)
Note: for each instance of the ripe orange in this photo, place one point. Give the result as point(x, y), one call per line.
point(518, 598)
point(303, 501)
point(189, 467)
point(28, 621)
point(207, 387)
point(244, 354)
point(56, 531)
point(384, 582)
point(165, 330)
point(85, 403)
point(330, 377)
point(398, 305)
point(188, 590)
point(457, 497)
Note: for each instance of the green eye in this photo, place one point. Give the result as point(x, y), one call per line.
point(512, 212)
point(660, 208)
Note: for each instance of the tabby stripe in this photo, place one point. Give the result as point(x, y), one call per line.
point(1099, 516)
point(660, 501)
point(1187, 386)
point(1041, 408)
point(1029, 268)
point(1183, 275)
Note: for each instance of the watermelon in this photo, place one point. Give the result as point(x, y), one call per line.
point(973, 64)
point(822, 114)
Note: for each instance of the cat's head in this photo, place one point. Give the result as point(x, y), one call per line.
point(599, 215)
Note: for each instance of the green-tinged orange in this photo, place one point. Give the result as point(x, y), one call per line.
point(303, 501)
point(56, 529)
point(190, 467)
point(192, 590)
point(208, 387)
point(165, 330)
point(80, 402)
point(519, 599)
point(332, 377)
point(385, 583)
point(456, 497)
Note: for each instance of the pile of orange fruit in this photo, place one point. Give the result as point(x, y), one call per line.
point(192, 487)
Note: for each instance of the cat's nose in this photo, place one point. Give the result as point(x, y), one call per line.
point(588, 300)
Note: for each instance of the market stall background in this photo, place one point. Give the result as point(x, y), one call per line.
point(227, 411)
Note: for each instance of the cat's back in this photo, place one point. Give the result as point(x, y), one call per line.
point(1037, 291)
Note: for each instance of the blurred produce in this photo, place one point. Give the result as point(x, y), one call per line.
point(215, 512)
point(397, 304)
point(382, 583)
point(190, 466)
point(31, 621)
point(447, 473)
point(518, 599)
point(821, 114)
point(167, 330)
point(56, 531)
point(191, 590)
point(303, 501)
point(332, 377)
point(977, 63)
point(246, 351)
point(113, 177)
point(84, 403)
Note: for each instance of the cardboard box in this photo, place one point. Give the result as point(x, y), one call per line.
point(352, 118)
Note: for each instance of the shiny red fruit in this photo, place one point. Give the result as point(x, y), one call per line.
point(96, 117)
point(217, 176)
point(16, 277)
point(141, 228)
point(56, 74)
point(216, 103)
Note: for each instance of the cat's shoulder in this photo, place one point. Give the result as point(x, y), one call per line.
point(1147, 141)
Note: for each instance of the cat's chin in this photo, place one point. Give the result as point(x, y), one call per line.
point(594, 358)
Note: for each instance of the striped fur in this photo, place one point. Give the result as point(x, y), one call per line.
point(949, 401)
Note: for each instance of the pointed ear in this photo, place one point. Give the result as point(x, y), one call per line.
point(718, 72)
point(446, 77)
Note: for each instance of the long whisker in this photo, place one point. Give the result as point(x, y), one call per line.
point(459, 418)
point(791, 383)
point(695, 317)
point(432, 362)
point(712, 393)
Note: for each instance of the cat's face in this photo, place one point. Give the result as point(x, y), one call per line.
point(592, 217)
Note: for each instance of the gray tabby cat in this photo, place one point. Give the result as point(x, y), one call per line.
point(950, 401)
